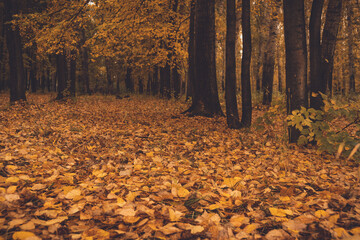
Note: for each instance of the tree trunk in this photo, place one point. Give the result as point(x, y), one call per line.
point(85, 78)
point(205, 100)
point(165, 84)
point(61, 75)
point(177, 82)
point(330, 32)
point(280, 69)
point(32, 70)
point(296, 60)
point(191, 53)
point(350, 32)
point(269, 61)
point(129, 83)
point(141, 86)
point(73, 74)
point(316, 84)
point(232, 114)
point(108, 76)
point(245, 66)
point(155, 82)
point(13, 42)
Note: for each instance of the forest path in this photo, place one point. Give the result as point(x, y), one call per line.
point(136, 168)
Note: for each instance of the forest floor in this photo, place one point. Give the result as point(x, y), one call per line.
point(104, 168)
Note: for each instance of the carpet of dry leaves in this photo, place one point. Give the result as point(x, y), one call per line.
point(103, 168)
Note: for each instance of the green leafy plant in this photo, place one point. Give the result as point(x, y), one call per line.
point(317, 126)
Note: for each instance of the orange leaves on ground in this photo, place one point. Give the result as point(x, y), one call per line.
point(100, 175)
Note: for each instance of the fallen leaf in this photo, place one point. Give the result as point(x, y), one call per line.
point(73, 194)
point(239, 220)
point(23, 235)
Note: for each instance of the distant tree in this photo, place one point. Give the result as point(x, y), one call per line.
point(296, 59)
point(73, 74)
point(245, 66)
point(129, 82)
point(232, 114)
point(205, 100)
point(61, 72)
point(14, 46)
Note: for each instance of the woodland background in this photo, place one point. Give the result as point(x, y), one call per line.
point(123, 119)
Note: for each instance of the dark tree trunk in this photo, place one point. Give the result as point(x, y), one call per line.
point(43, 79)
point(108, 76)
point(73, 74)
point(32, 70)
point(245, 66)
point(280, 68)
point(205, 100)
point(149, 84)
point(85, 78)
point(155, 82)
point(165, 84)
point(141, 86)
point(232, 114)
point(296, 59)
point(13, 42)
point(61, 75)
point(2, 50)
point(48, 78)
point(269, 61)
point(191, 52)
point(350, 32)
point(315, 55)
point(129, 83)
point(330, 32)
point(177, 82)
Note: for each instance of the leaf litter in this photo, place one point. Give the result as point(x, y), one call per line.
point(100, 168)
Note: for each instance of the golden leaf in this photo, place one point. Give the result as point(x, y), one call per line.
point(12, 180)
point(175, 215)
point(96, 233)
point(252, 227)
point(23, 235)
point(239, 220)
point(11, 189)
point(196, 229)
point(321, 214)
point(75, 193)
point(28, 226)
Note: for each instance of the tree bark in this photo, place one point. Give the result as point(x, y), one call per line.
point(14, 46)
point(191, 52)
point(177, 82)
point(165, 84)
point(296, 59)
point(269, 61)
point(129, 83)
point(85, 78)
point(245, 66)
point(330, 32)
point(316, 84)
point(108, 76)
point(205, 100)
point(155, 82)
point(73, 74)
point(61, 75)
point(232, 114)
point(32, 70)
point(350, 39)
